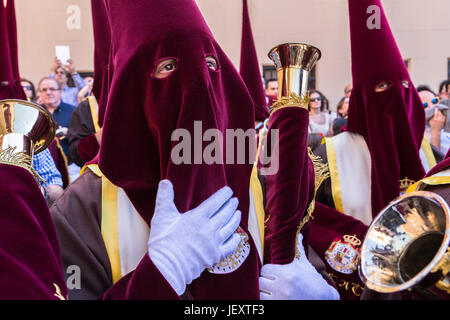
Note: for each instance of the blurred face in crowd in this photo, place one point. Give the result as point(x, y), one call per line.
point(61, 76)
point(272, 89)
point(27, 89)
point(50, 93)
point(348, 90)
point(315, 101)
point(445, 92)
point(344, 109)
point(428, 98)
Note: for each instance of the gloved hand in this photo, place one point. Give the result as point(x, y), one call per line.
point(182, 245)
point(298, 280)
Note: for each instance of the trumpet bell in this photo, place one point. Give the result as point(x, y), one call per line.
point(294, 62)
point(406, 244)
point(25, 126)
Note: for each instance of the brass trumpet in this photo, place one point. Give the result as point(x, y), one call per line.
point(407, 245)
point(294, 62)
point(25, 127)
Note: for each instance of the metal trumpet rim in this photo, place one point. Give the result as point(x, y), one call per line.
point(42, 111)
point(304, 46)
point(422, 274)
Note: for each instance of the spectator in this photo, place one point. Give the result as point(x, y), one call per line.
point(62, 74)
point(436, 118)
point(52, 181)
point(271, 91)
point(50, 93)
point(28, 88)
point(342, 107)
point(444, 90)
point(348, 90)
point(320, 120)
point(86, 91)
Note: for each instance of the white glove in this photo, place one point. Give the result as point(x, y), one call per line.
point(298, 280)
point(183, 245)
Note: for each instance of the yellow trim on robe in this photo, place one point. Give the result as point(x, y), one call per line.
point(109, 223)
point(94, 112)
point(428, 153)
point(109, 227)
point(432, 181)
point(255, 187)
point(334, 175)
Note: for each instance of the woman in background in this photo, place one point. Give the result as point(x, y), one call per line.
point(320, 119)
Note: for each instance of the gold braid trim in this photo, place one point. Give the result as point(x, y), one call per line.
point(19, 159)
point(294, 100)
point(322, 173)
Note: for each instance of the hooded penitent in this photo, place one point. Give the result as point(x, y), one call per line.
point(102, 47)
point(143, 113)
point(249, 67)
point(384, 106)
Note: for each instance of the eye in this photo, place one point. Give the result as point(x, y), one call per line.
point(405, 83)
point(211, 62)
point(165, 68)
point(383, 86)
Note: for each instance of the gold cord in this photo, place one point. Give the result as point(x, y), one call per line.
point(19, 159)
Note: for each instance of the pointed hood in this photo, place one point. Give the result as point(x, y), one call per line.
point(384, 106)
point(249, 67)
point(11, 30)
point(102, 48)
point(6, 72)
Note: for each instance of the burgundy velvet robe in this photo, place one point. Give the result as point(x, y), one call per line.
point(30, 256)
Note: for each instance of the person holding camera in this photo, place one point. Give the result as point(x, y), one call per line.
point(50, 94)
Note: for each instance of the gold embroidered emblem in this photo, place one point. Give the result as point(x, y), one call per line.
point(293, 100)
point(343, 255)
point(236, 259)
point(21, 159)
point(405, 184)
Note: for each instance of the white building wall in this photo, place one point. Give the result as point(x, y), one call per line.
point(422, 30)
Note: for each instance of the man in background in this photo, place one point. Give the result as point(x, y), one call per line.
point(50, 94)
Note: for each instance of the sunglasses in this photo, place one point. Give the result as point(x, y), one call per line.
point(49, 89)
point(315, 99)
point(430, 103)
point(27, 87)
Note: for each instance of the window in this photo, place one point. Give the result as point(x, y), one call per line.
point(269, 72)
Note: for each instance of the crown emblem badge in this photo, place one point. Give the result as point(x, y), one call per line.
point(343, 254)
point(236, 259)
point(405, 183)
